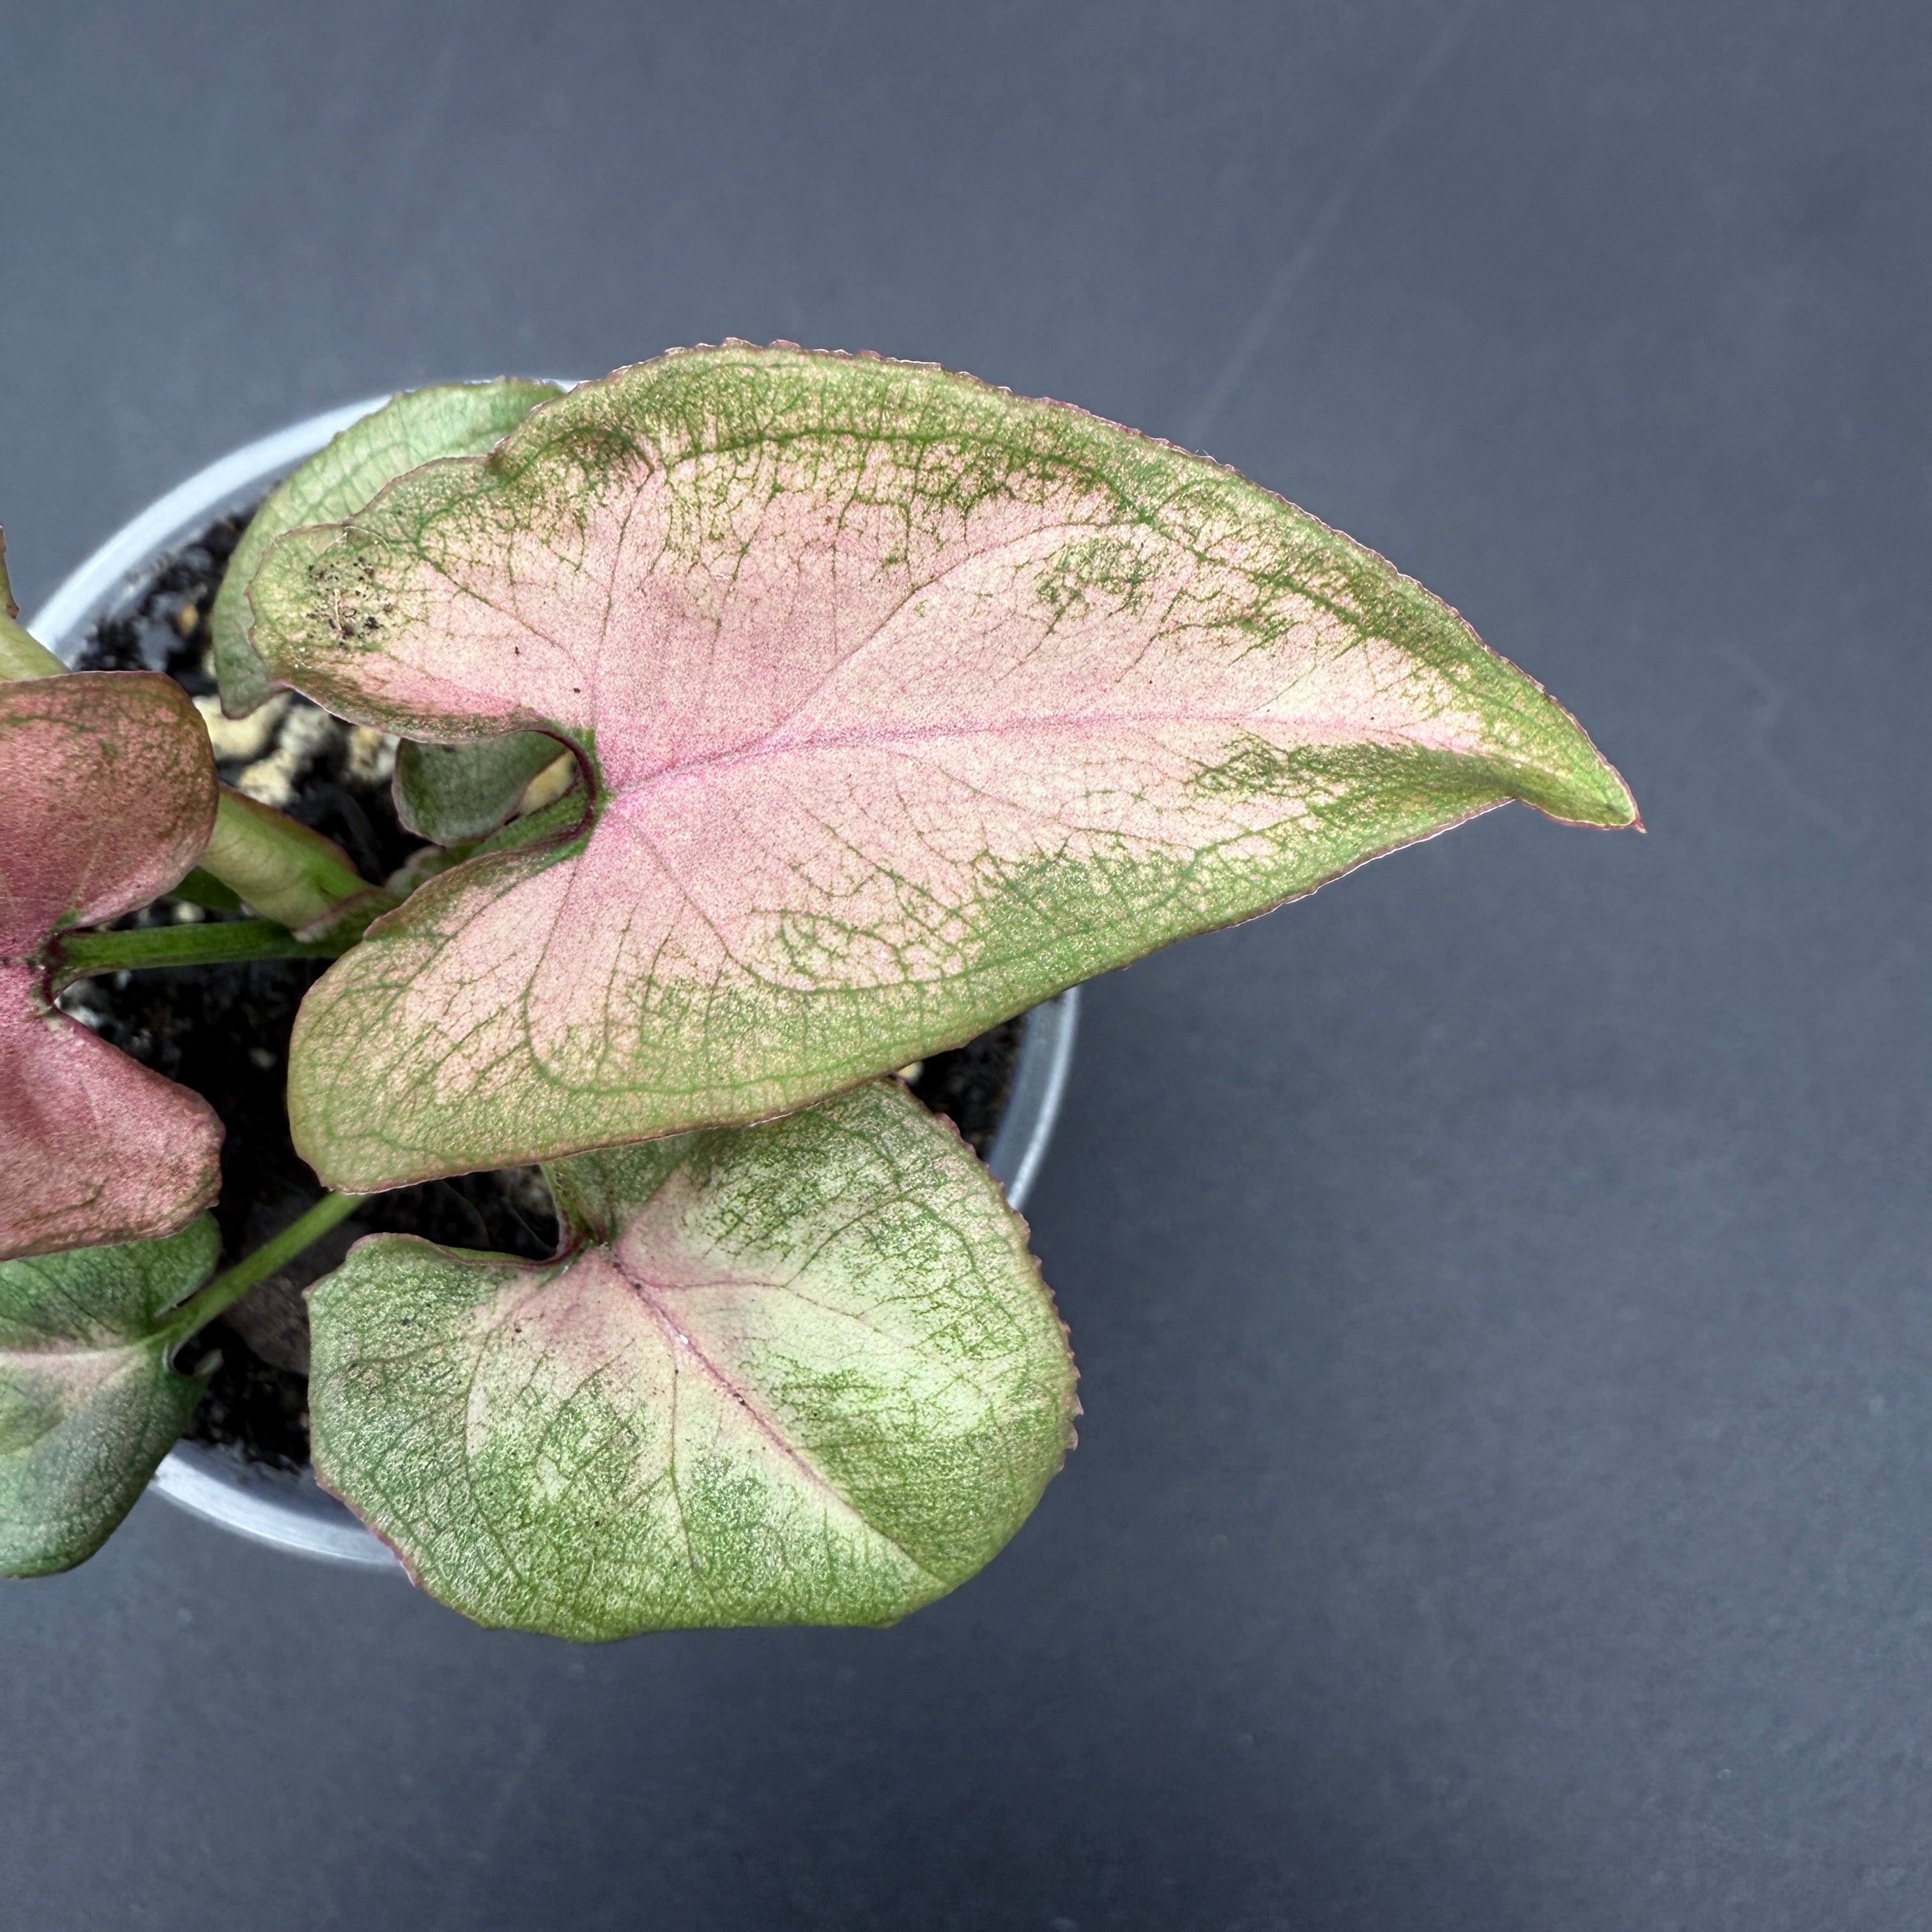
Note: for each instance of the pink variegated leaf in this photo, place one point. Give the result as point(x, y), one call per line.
point(108, 800)
point(93, 1146)
point(903, 702)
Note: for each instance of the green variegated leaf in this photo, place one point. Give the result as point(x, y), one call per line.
point(908, 703)
point(805, 1372)
point(88, 1404)
point(452, 793)
point(453, 419)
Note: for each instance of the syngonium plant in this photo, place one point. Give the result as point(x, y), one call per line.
point(776, 719)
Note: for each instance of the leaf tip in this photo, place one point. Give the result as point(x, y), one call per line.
point(1599, 798)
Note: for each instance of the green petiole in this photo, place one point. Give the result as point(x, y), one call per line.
point(81, 955)
point(284, 870)
point(227, 1288)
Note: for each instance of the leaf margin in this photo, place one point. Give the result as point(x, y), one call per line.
point(474, 416)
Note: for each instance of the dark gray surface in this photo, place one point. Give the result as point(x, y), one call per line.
point(1500, 1282)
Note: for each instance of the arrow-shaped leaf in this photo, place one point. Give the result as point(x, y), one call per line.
point(452, 419)
point(805, 1372)
point(910, 703)
point(88, 1404)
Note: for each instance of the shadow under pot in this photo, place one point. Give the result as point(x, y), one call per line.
point(141, 602)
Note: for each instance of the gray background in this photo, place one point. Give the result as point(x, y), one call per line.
point(1500, 1281)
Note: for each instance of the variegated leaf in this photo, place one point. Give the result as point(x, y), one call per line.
point(805, 1372)
point(452, 419)
point(108, 799)
point(88, 1404)
point(908, 704)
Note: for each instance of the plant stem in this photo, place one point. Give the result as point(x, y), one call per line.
point(226, 1289)
point(282, 869)
point(79, 955)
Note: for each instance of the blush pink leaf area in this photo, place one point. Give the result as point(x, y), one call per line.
point(908, 702)
point(805, 1372)
point(108, 800)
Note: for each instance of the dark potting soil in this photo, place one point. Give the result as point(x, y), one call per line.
point(224, 1030)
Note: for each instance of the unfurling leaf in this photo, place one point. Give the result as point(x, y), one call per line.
point(453, 419)
point(805, 1372)
point(88, 1404)
point(450, 794)
point(108, 798)
point(908, 702)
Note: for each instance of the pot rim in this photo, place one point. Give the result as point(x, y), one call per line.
point(289, 1509)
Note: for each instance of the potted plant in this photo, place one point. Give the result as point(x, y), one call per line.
point(773, 721)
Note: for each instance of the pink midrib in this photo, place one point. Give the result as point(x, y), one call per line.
point(652, 1297)
point(1305, 733)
